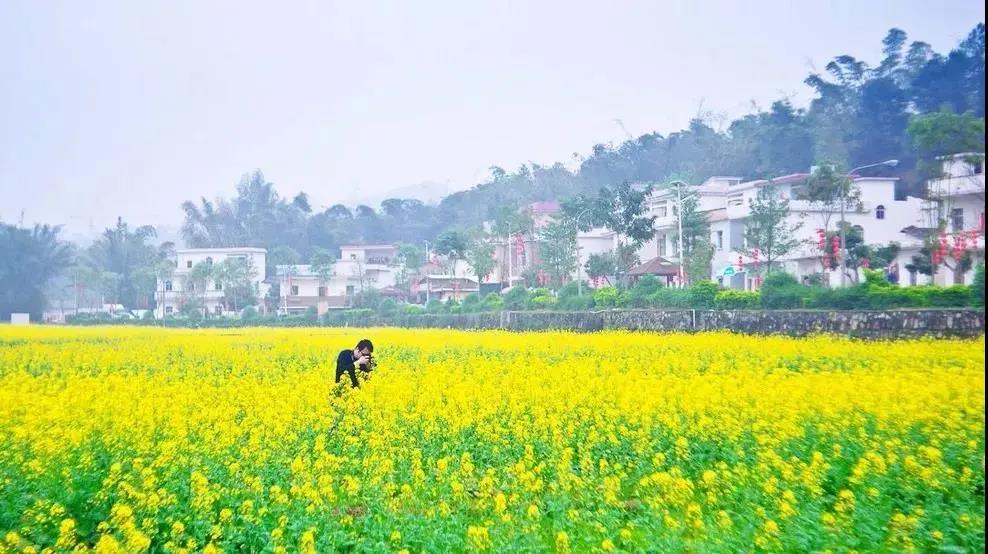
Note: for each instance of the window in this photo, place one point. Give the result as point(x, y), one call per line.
point(979, 167)
point(188, 264)
point(169, 309)
point(322, 291)
point(957, 219)
point(192, 286)
point(880, 212)
point(168, 285)
point(662, 245)
point(912, 278)
point(294, 290)
point(218, 310)
point(662, 209)
point(219, 285)
point(720, 240)
point(353, 256)
point(209, 260)
point(349, 290)
point(735, 200)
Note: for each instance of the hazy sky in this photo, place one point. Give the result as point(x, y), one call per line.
point(128, 107)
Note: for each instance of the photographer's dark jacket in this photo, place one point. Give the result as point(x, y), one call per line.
point(345, 364)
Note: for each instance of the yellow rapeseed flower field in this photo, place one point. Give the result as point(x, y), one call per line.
point(131, 440)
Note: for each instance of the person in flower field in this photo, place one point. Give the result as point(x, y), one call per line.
point(358, 358)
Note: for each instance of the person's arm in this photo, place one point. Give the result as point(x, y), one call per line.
point(353, 376)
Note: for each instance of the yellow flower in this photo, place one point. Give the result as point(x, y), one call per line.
point(606, 545)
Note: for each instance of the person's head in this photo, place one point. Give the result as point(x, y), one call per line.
point(364, 348)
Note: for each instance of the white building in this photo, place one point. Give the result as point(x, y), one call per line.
point(726, 202)
point(513, 255)
point(359, 268)
point(174, 291)
point(957, 197)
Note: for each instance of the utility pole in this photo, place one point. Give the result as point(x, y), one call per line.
point(679, 221)
point(843, 223)
point(427, 282)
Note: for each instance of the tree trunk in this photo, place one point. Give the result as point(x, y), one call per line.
point(958, 275)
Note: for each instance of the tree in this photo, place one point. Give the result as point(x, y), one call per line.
point(860, 255)
point(322, 263)
point(769, 233)
point(29, 260)
point(480, 255)
point(236, 277)
point(452, 244)
point(827, 189)
point(621, 209)
point(602, 266)
point(697, 265)
point(130, 255)
point(557, 250)
point(196, 282)
point(942, 133)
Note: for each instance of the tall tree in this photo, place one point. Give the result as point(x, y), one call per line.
point(130, 255)
point(769, 233)
point(480, 255)
point(452, 244)
point(621, 209)
point(29, 259)
point(557, 250)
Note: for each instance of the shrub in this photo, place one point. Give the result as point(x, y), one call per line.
point(387, 308)
point(606, 297)
point(978, 285)
point(516, 298)
point(434, 306)
point(541, 299)
point(737, 300)
point(955, 296)
point(249, 314)
point(472, 303)
point(702, 295)
point(666, 298)
point(781, 291)
point(569, 290)
point(493, 302)
point(413, 309)
point(876, 279)
point(576, 303)
point(850, 298)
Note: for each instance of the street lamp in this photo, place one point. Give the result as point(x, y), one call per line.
point(679, 220)
point(843, 247)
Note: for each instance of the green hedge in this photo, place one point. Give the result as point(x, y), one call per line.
point(732, 299)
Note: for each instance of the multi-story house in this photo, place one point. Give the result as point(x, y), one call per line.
point(957, 198)
point(184, 286)
point(513, 255)
point(360, 267)
point(726, 202)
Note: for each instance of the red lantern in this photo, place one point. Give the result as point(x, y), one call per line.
point(519, 244)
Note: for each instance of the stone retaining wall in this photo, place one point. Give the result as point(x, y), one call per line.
point(866, 324)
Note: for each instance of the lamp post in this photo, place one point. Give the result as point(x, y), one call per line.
point(843, 195)
point(679, 220)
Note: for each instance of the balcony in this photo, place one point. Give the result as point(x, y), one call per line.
point(958, 186)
